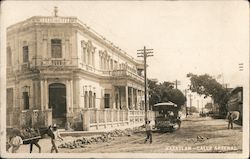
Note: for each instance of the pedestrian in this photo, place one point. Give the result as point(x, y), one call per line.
point(230, 120)
point(232, 116)
point(55, 138)
point(15, 142)
point(148, 132)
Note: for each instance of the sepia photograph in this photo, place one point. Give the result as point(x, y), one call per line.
point(124, 79)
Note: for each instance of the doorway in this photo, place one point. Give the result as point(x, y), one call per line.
point(57, 102)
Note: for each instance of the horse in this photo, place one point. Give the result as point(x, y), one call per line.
point(34, 140)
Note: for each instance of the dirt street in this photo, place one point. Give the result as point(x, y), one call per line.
point(195, 135)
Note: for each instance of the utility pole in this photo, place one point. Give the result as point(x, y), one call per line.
point(177, 83)
point(145, 53)
point(190, 99)
point(198, 105)
point(186, 102)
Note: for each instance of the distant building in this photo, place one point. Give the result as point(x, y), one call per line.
point(235, 102)
point(60, 71)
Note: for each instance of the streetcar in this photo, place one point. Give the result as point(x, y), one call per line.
point(167, 117)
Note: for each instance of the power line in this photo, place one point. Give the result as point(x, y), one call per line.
point(241, 66)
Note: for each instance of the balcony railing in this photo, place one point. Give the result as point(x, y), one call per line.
point(126, 73)
point(74, 62)
point(56, 62)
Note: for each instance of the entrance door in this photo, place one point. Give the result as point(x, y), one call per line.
point(57, 102)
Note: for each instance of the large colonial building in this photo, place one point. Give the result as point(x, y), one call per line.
point(61, 71)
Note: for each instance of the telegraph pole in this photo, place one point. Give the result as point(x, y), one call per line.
point(177, 83)
point(145, 53)
point(190, 100)
point(186, 103)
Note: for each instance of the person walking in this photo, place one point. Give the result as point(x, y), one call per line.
point(148, 132)
point(55, 138)
point(230, 120)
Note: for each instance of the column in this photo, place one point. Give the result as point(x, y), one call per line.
point(45, 51)
point(132, 99)
point(71, 95)
point(77, 93)
point(136, 106)
point(34, 98)
point(86, 120)
point(108, 63)
point(93, 58)
point(100, 61)
point(68, 95)
point(86, 97)
point(46, 94)
point(65, 52)
point(90, 57)
point(42, 94)
point(104, 63)
point(126, 96)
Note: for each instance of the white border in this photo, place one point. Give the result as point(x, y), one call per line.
point(3, 153)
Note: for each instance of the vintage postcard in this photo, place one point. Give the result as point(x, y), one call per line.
point(124, 79)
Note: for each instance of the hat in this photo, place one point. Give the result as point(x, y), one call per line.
point(54, 126)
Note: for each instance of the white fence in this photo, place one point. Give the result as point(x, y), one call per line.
point(105, 118)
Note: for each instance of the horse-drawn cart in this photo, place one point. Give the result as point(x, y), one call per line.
point(29, 136)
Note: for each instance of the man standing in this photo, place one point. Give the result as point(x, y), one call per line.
point(55, 138)
point(148, 132)
point(232, 116)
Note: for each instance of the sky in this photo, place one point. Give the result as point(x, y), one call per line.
point(187, 36)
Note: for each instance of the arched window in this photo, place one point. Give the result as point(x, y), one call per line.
point(85, 99)
point(56, 48)
point(93, 58)
point(83, 47)
point(94, 98)
point(25, 54)
point(90, 99)
point(106, 100)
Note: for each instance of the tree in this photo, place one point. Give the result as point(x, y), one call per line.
point(209, 106)
point(209, 87)
point(193, 109)
point(164, 92)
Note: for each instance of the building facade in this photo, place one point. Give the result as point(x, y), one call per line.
point(61, 71)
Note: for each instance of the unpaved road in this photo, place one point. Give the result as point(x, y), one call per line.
point(195, 135)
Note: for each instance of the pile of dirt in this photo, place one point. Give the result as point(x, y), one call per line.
point(105, 137)
point(82, 142)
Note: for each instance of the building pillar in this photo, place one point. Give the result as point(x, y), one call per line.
point(46, 94)
point(68, 95)
point(42, 94)
point(132, 99)
point(136, 105)
point(126, 96)
point(86, 120)
point(71, 95)
point(87, 98)
point(76, 93)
